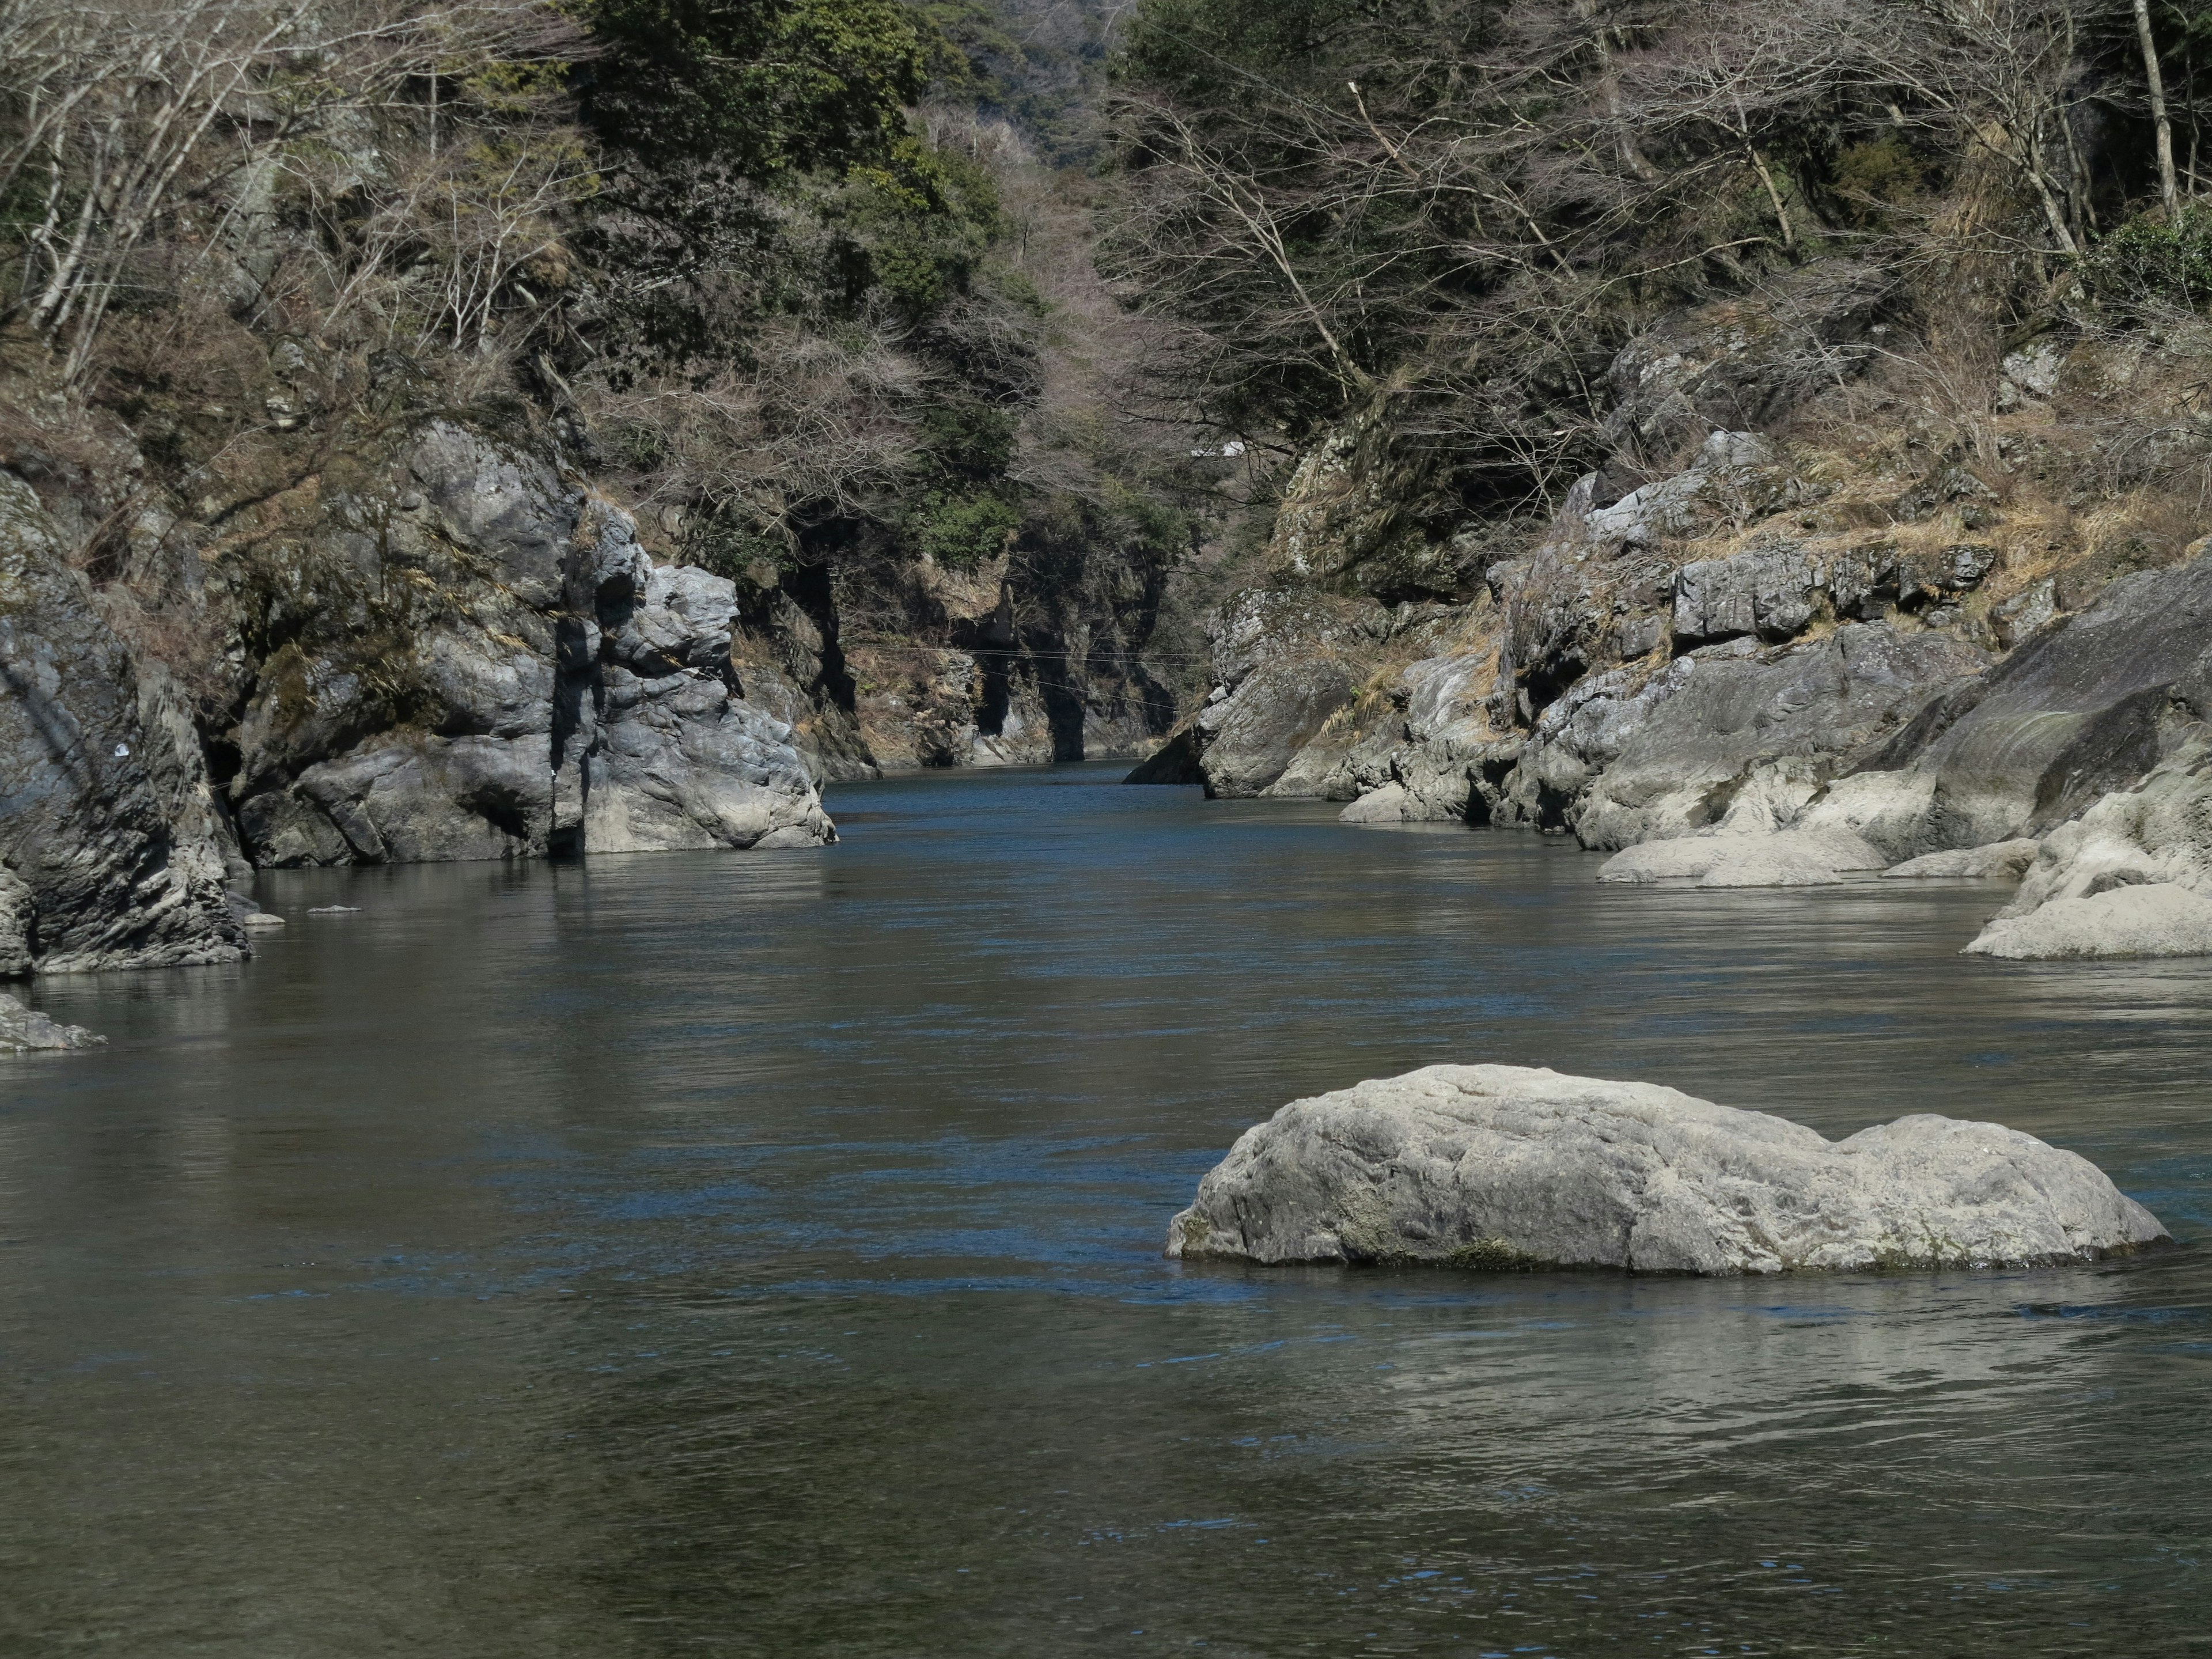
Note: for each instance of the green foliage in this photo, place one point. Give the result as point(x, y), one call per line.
point(1873, 177)
point(967, 442)
point(757, 88)
point(962, 533)
point(918, 226)
point(1034, 63)
point(2151, 261)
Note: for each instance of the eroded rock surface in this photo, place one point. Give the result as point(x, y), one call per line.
point(2132, 876)
point(111, 854)
point(479, 661)
point(1505, 1166)
point(2003, 860)
point(1745, 858)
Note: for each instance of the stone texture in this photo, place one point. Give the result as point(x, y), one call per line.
point(2085, 707)
point(2131, 877)
point(1285, 664)
point(1744, 859)
point(2003, 860)
point(498, 671)
point(23, 1030)
point(2158, 919)
point(111, 853)
point(1503, 1166)
point(1627, 756)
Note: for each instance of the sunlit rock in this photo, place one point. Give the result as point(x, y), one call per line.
point(1505, 1166)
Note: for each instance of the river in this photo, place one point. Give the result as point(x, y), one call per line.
point(713, 1254)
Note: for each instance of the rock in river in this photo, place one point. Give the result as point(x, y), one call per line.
point(1506, 1166)
point(22, 1030)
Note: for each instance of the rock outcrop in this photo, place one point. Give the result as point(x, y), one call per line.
point(2131, 877)
point(459, 656)
point(1507, 1167)
point(112, 853)
point(1286, 663)
point(25, 1029)
point(439, 651)
point(2091, 704)
point(1726, 730)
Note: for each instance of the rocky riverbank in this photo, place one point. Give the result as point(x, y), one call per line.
point(1891, 653)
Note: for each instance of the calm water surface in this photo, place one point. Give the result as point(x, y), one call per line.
point(759, 1255)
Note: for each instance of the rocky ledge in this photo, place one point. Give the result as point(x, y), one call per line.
point(1510, 1167)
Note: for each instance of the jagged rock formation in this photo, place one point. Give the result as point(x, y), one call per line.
point(1508, 1167)
point(456, 655)
point(437, 650)
point(111, 850)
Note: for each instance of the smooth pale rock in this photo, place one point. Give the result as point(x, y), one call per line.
point(1506, 1166)
point(260, 918)
point(1388, 805)
point(1785, 858)
point(2131, 877)
point(2006, 859)
point(334, 910)
point(22, 1030)
point(1774, 864)
point(2158, 919)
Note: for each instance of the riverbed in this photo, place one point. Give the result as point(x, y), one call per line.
point(759, 1255)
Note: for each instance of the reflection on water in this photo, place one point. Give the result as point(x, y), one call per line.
point(759, 1255)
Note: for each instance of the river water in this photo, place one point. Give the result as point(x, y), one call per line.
point(759, 1255)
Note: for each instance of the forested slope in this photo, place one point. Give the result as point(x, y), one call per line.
point(1707, 420)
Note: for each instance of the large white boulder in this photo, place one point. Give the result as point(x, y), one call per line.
point(1505, 1166)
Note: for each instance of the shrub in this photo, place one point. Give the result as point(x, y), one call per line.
point(2153, 261)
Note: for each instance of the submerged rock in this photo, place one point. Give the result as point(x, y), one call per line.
point(22, 1030)
point(1507, 1166)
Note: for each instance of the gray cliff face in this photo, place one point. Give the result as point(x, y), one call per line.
point(443, 652)
point(1505, 1167)
point(1288, 663)
point(111, 853)
point(1725, 732)
point(2089, 705)
point(462, 657)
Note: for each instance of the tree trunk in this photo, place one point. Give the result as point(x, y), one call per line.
point(2161, 123)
